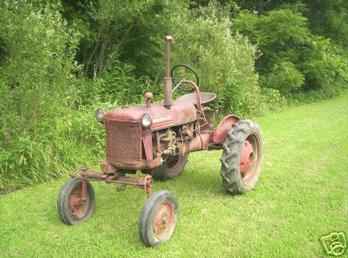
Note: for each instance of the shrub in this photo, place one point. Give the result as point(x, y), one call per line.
point(37, 89)
point(130, 31)
point(293, 59)
point(224, 62)
point(285, 77)
point(272, 99)
point(325, 67)
point(119, 84)
point(276, 33)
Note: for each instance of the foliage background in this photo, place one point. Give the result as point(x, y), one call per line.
point(61, 59)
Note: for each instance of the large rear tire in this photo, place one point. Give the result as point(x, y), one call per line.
point(171, 167)
point(241, 157)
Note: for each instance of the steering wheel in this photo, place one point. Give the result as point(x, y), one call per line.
point(175, 67)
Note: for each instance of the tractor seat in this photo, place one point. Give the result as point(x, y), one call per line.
point(206, 97)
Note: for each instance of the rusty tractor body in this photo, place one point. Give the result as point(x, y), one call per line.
point(156, 138)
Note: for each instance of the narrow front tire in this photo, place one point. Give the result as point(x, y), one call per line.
point(158, 218)
point(74, 206)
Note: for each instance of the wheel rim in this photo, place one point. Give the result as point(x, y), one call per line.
point(164, 221)
point(78, 204)
point(249, 158)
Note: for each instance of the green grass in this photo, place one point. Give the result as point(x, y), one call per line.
point(302, 195)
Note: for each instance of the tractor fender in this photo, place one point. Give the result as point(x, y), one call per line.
point(221, 131)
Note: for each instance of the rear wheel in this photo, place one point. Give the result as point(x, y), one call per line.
point(158, 218)
point(241, 157)
point(171, 167)
point(73, 205)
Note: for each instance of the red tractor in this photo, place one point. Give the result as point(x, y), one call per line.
point(157, 138)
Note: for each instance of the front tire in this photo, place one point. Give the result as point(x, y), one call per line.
point(73, 208)
point(158, 218)
point(241, 157)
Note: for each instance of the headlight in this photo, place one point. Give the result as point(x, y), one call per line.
point(146, 121)
point(99, 115)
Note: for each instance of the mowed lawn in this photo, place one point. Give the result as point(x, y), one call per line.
point(301, 196)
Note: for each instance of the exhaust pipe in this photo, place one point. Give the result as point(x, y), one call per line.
point(168, 100)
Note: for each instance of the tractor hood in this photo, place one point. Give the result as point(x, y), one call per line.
point(162, 117)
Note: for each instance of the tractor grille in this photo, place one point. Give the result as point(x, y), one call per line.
point(123, 142)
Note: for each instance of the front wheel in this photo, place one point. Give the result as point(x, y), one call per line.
point(241, 157)
point(158, 218)
point(76, 201)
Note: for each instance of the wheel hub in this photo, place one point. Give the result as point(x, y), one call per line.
point(163, 221)
point(246, 157)
point(77, 203)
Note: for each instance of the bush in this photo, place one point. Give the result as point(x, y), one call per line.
point(285, 77)
point(129, 31)
point(273, 100)
point(74, 140)
point(119, 84)
point(325, 67)
point(37, 89)
point(293, 59)
point(224, 62)
point(276, 33)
